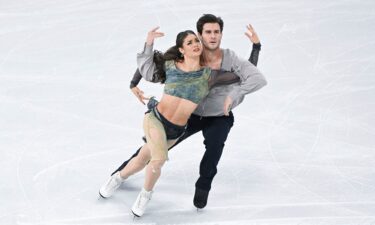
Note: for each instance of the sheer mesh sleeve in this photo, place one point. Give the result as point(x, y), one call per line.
point(136, 78)
point(219, 77)
point(158, 73)
point(255, 54)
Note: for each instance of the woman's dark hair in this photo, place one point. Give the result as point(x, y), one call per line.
point(173, 53)
point(209, 18)
point(159, 73)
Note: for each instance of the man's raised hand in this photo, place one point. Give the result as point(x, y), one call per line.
point(251, 34)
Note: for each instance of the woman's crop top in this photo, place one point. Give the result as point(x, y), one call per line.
point(192, 86)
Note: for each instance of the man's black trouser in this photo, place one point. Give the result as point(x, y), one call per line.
point(215, 131)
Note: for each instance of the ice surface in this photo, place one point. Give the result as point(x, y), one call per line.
point(302, 150)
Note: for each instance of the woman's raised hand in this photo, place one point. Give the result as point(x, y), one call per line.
point(139, 94)
point(152, 34)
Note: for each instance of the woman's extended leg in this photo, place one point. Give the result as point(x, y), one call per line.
point(137, 163)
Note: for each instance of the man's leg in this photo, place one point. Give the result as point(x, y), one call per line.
point(215, 132)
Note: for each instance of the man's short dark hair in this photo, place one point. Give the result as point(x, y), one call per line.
point(209, 18)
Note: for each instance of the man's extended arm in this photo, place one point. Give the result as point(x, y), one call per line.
point(251, 80)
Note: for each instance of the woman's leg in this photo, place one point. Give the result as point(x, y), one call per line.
point(153, 170)
point(137, 163)
point(158, 148)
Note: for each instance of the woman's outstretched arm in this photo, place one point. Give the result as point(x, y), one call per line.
point(145, 59)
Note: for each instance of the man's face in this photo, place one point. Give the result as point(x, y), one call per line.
point(211, 36)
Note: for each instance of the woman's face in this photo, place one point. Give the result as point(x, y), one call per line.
point(191, 47)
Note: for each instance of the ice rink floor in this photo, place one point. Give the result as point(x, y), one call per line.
point(302, 150)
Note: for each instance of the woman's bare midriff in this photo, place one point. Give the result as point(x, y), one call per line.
point(180, 111)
